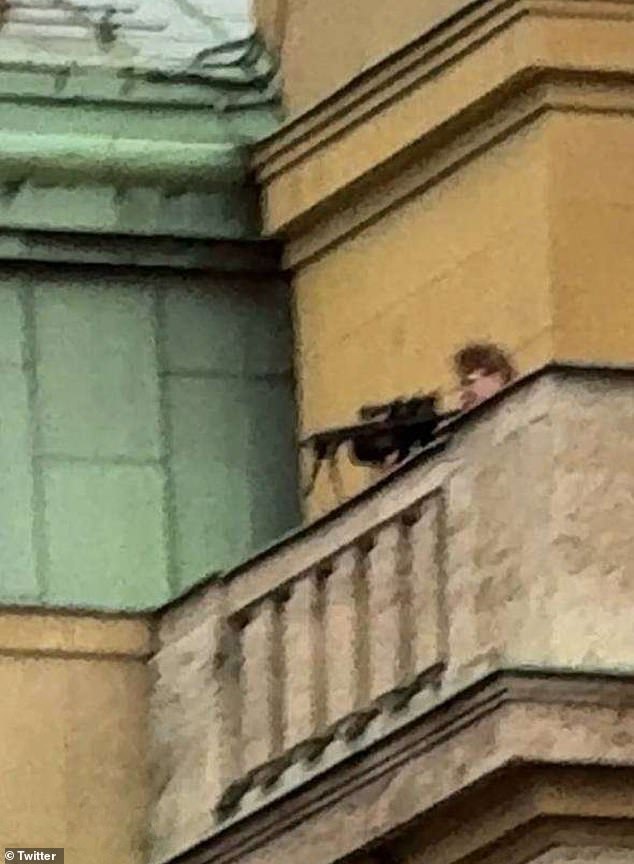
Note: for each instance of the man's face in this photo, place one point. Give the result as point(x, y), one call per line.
point(478, 386)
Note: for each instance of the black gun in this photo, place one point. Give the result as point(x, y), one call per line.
point(394, 428)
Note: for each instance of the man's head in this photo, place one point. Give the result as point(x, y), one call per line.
point(482, 370)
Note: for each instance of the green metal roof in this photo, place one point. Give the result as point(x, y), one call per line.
point(161, 116)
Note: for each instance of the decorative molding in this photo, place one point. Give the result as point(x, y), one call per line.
point(435, 51)
point(45, 83)
point(152, 154)
point(523, 103)
point(308, 178)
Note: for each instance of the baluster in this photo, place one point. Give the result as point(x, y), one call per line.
point(226, 704)
point(427, 608)
point(259, 687)
point(386, 610)
point(301, 634)
point(340, 635)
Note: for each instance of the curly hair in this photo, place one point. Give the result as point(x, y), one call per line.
point(482, 355)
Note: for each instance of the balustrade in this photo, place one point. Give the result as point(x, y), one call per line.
point(323, 651)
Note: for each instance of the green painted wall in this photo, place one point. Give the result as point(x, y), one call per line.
point(146, 432)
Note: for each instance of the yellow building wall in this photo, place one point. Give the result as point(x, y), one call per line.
point(73, 733)
point(592, 236)
point(478, 185)
point(528, 245)
point(325, 43)
point(381, 314)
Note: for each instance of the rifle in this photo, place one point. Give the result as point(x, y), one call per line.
point(393, 428)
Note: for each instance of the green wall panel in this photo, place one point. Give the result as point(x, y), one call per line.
point(204, 330)
point(146, 424)
point(271, 468)
point(146, 432)
point(97, 375)
point(268, 336)
point(211, 497)
point(18, 580)
point(105, 535)
point(83, 208)
point(235, 327)
point(11, 323)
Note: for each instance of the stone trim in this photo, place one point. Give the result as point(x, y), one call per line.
point(524, 834)
point(384, 83)
point(387, 81)
point(270, 780)
point(529, 97)
point(48, 87)
point(26, 633)
point(400, 752)
point(489, 587)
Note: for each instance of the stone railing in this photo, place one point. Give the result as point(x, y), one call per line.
point(325, 650)
point(509, 548)
point(269, 666)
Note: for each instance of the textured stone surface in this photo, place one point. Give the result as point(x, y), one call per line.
point(461, 755)
point(589, 855)
point(342, 620)
point(301, 635)
point(192, 730)
point(386, 587)
point(260, 689)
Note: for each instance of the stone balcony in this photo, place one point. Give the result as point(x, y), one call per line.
point(471, 612)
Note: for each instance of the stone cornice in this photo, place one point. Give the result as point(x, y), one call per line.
point(549, 698)
point(455, 91)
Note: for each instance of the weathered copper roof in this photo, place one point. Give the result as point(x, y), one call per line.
point(210, 40)
point(151, 101)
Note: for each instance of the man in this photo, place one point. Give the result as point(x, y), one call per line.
point(483, 370)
